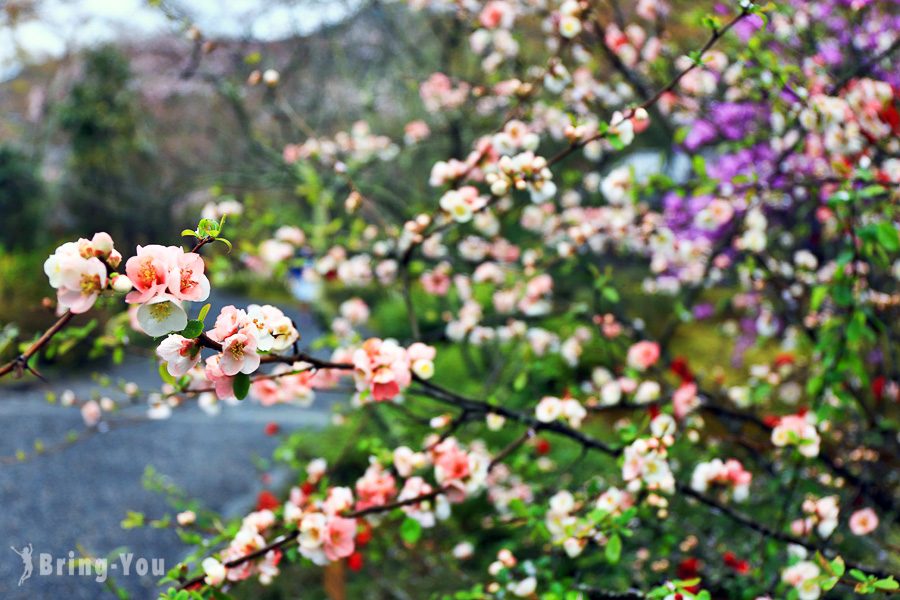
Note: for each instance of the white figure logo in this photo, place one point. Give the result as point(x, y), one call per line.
point(25, 554)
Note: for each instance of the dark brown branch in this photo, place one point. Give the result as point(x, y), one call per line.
point(207, 342)
point(20, 363)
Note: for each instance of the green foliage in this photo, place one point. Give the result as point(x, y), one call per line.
point(113, 181)
point(23, 201)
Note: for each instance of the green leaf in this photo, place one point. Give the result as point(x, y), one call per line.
point(817, 297)
point(887, 584)
point(837, 566)
point(203, 312)
point(887, 236)
point(410, 531)
point(207, 228)
point(520, 381)
point(858, 575)
point(226, 242)
point(241, 385)
point(613, 550)
point(194, 328)
point(611, 294)
point(188, 232)
point(615, 141)
point(699, 164)
point(133, 520)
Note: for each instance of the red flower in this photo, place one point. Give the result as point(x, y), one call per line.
point(771, 421)
point(271, 428)
point(784, 359)
point(680, 367)
point(878, 387)
point(355, 561)
point(739, 565)
point(266, 500)
point(688, 568)
point(542, 446)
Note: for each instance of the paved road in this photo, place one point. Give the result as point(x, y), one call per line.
point(77, 497)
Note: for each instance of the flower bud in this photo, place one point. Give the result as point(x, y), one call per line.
point(121, 284)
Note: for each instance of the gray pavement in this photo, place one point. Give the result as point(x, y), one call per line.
point(77, 497)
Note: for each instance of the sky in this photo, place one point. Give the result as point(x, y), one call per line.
point(76, 23)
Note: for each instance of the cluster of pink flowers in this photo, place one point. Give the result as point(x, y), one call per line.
point(359, 145)
point(383, 368)
point(462, 472)
point(632, 45)
point(163, 278)
point(243, 335)
point(78, 271)
point(730, 474)
point(798, 430)
point(439, 93)
point(375, 488)
point(821, 516)
point(324, 535)
point(248, 539)
point(288, 384)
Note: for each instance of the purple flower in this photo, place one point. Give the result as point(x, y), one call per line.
point(701, 133)
point(704, 311)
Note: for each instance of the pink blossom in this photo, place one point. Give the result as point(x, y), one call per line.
point(863, 522)
point(229, 321)
point(643, 355)
point(496, 13)
point(239, 355)
point(415, 131)
point(338, 541)
point(375, 488)
point(223, 384)
point(382, 367)
point(436, 282)
point(452, 463)
point(685, 400)
point(149, 271)
point(186, 278)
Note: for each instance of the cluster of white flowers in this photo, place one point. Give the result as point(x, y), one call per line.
point(524, 171)
point(645, 463)
point(551, 408)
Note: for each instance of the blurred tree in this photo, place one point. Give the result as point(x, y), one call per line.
point(112, 183)
point(22, 200)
